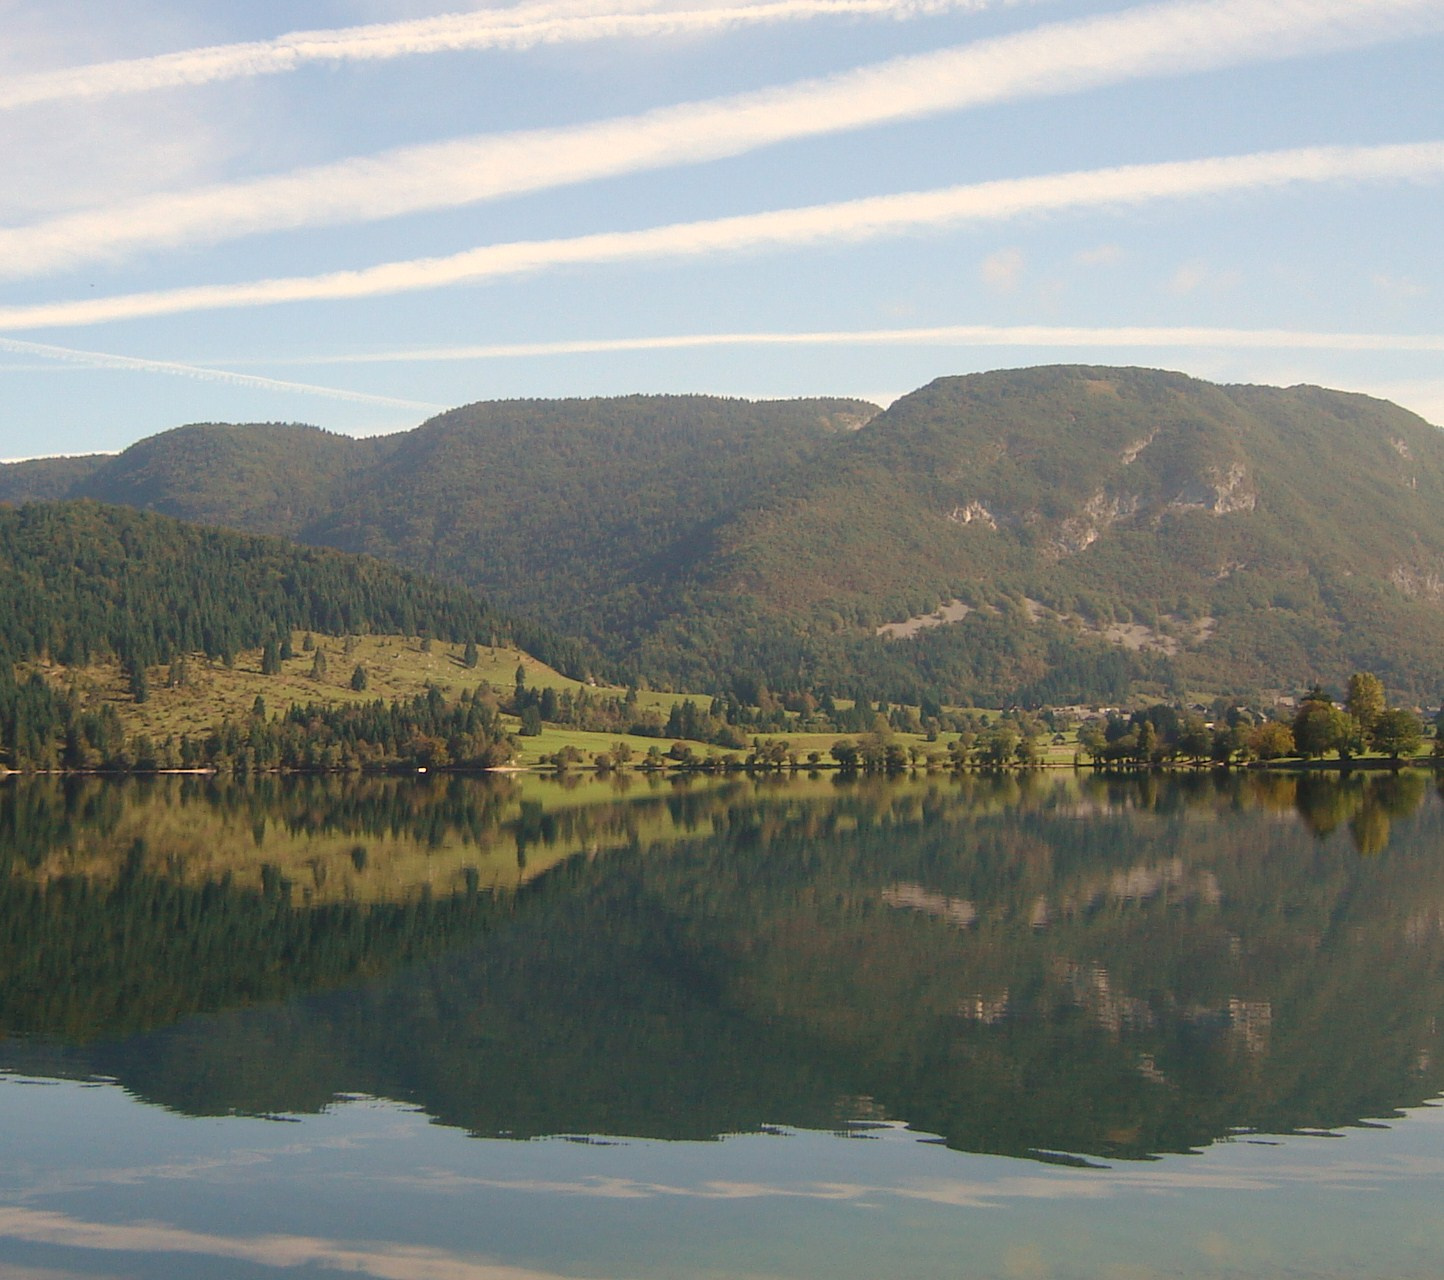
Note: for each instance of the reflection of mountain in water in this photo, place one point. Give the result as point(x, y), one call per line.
point(1052, 965)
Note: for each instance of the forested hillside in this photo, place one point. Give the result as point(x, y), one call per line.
point(1040, 535)
point(1244, 536)
point(79, 580)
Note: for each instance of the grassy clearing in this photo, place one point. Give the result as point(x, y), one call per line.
point(397, 667)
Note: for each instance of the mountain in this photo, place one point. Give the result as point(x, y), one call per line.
point(1253, 535)
point(1045, 534)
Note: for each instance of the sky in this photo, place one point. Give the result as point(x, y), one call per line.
point(357, 213)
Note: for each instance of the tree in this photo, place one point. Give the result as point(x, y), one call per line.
point(1365, 701)
point(1270, 740)
point(469, 656)
point(1194, 738)
point(1320, 727)
point(1147, 746)
point(1093, 738)
point(271, 659)
point(1397, 733)
point(318, 664)
point(531, 721)
point(359, 679)
point(996, 746)
point(845, 752)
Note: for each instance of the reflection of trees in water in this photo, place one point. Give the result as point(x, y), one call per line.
point(1368, 803)
point(1107, 966)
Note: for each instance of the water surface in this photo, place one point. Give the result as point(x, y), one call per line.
point(504, 1028)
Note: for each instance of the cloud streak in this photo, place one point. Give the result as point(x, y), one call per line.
point(516, 27)
point(852, 222)
point(103, 360)
point(1160, 40)
point(953, 335)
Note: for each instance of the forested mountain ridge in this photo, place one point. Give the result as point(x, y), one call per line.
point(1084, 529)
point(1246, 532)
point(264, 477)
point(589, 510)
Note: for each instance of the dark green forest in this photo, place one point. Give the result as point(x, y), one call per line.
point(80, 581)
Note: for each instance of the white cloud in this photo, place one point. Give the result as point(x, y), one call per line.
point(1196, 277)
point(1001, 271)
point(1188, 278)
point(1167, 39)
point(1399, 288)
point(103, 360)
point(515, 27)
point(1103, 255)
point(853, 221)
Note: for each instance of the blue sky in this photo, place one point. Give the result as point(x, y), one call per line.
point(355, 213)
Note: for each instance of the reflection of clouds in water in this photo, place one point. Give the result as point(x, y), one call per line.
point(10, 1272)
point(387, 1262)
point(213, 1168)
point(1343, 1175)
point(633, 1189)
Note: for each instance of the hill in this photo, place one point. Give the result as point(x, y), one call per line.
point(81, 582)
point(1037, 535)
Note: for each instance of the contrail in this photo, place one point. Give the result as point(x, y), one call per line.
point(963, 335)
point(104, 360)
point(854, 222)
point(1173, 38)
point(518, 27)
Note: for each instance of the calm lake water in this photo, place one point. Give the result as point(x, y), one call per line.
point(474, 1029)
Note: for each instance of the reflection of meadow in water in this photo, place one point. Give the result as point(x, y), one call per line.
point(1027, 965)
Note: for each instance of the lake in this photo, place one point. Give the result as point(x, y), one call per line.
point(524, 1028)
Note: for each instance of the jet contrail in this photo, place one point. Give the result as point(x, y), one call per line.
point(518, 27)
point(851, 222)
point(1169, 39)
point(962, 335)
point(105, 360)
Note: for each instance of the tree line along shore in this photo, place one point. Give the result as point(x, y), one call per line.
point(379, 703)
